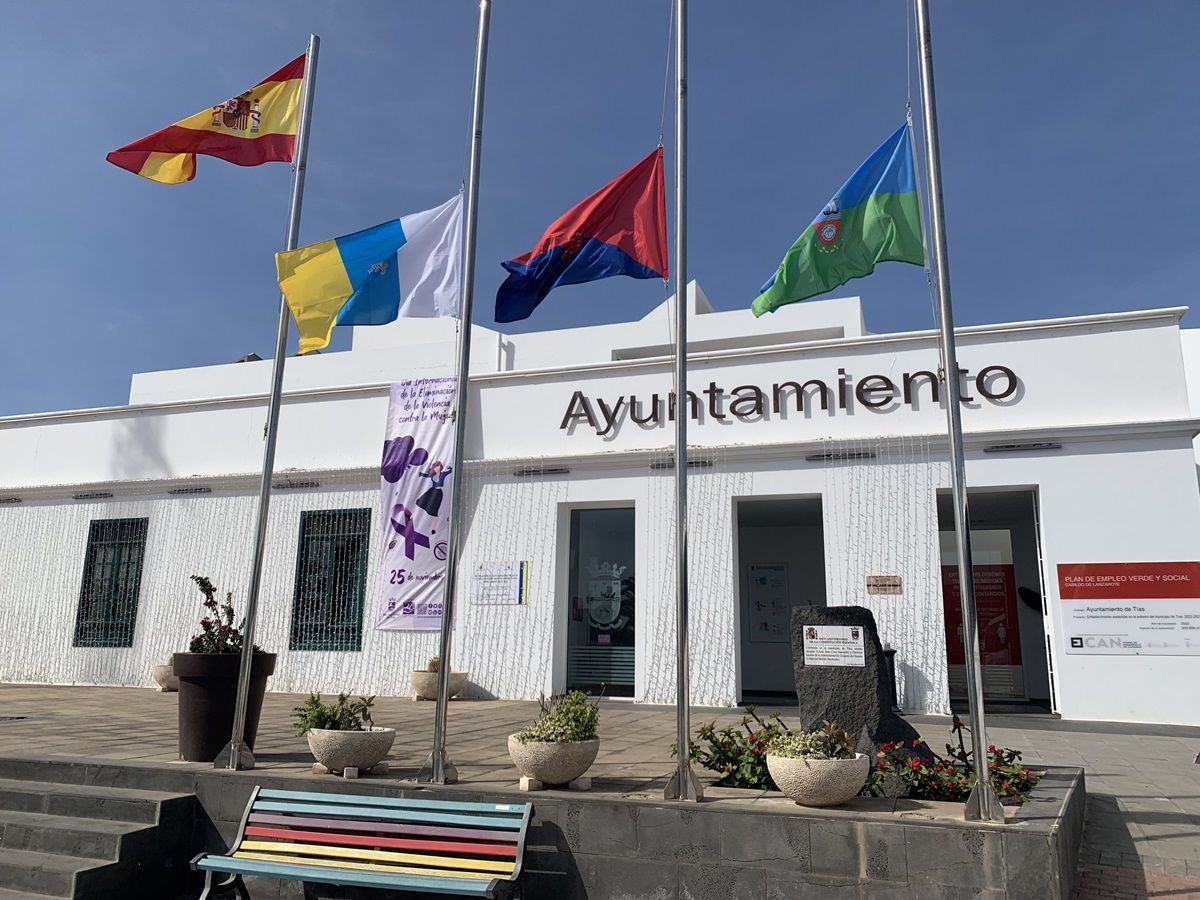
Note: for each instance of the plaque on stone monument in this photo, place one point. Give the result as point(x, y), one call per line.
point(834, 645)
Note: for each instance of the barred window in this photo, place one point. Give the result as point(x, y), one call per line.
point(331, 568)
point(112, 579)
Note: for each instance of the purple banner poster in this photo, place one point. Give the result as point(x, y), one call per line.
point(416, 481)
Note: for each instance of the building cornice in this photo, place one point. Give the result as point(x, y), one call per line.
point(804, 348)
point(976, 442)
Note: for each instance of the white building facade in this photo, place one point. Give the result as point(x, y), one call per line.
point(819, 477)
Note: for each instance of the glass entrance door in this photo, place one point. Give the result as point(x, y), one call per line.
point(600, 624)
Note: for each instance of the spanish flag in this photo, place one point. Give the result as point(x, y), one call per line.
point(253, 128)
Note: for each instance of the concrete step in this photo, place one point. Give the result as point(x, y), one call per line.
point(86, 801)
point(57, 876)
point(6, 894)
point(173, 778)
point(67, 835)
point(85, 840)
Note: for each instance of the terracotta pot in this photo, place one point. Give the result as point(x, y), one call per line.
point(339, 750)
point(819, 782)
point(207, 696)
point(425, 684)
point(553, 763)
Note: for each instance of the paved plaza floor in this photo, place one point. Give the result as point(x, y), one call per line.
point(1142, 836)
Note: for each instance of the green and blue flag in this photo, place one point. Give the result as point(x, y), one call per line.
point(874, 217)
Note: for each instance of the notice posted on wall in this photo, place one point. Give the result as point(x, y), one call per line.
point(770, 607)
point(1131, 609)
point(500, 583)
point(834, 645)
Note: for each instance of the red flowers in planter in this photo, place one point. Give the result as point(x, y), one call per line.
point(944, 780)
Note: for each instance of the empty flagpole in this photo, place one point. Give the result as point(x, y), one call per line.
point(237, 755)
point(683, 784)
point(982, 802)
point(438, 769)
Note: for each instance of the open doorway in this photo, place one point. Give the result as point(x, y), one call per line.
point(1008, 598)
point(781, 565)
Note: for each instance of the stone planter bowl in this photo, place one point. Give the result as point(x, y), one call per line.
point(819, 782)
point(340, 750)
point(425, 684)
point(165, 678)
point(553, 763)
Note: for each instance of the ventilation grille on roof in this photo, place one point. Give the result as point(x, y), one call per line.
point(692, 464)
point(1020, 448)
point(293, 485)
point(840, 455)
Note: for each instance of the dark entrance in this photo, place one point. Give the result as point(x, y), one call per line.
point(1008, 598)
point(781, 565)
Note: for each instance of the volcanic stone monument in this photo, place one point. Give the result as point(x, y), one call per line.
point(844, 678)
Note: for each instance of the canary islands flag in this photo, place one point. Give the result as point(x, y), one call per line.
point(406, 267)
point(255, 127)
point(874, 217)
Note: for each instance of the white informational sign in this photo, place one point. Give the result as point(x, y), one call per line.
point(500, 583)
point(770, 608)
point(834, 645)
point(416, 486)
point(1131, 609)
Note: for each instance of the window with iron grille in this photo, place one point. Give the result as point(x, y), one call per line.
point(112, 578)
point(331, 569)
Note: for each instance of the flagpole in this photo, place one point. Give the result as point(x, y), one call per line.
point(236, 754)
point(683, 784)
point(438, 769)
point(982, 803)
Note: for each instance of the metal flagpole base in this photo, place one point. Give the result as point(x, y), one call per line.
point(691, 789)
point(428, 773)
point(982, 803)
point(241, 761)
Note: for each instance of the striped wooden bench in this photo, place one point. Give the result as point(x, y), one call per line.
point(468, 849)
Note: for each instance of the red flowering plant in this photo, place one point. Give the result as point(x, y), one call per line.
point(738, 753)
point(217, 633)
point(950, 778)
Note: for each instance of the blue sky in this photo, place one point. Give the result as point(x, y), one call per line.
point(1070, 142)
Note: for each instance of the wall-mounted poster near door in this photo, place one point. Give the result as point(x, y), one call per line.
point(770, 608)
point(996, 612)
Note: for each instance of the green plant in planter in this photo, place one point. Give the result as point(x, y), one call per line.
point(217, 633)
point(564, 717)
point(434, 664)
point(831, 742)
point(344, 715)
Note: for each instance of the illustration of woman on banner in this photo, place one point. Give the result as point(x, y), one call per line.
point(431, 500)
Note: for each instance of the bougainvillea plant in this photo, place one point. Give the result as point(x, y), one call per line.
point(738, 753)
point(953, 777)
point(217, 632)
